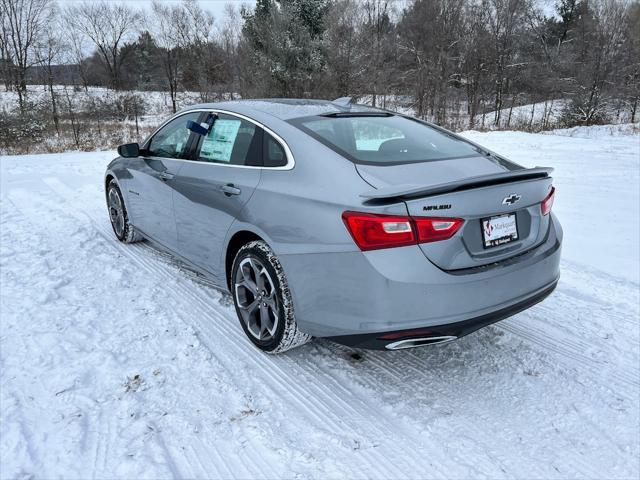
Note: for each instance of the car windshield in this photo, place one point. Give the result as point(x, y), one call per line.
point(384, 139)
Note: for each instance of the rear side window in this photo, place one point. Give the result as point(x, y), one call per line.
point(274, 154)
point(384, 140)
point(170, 141)
point(232, 140)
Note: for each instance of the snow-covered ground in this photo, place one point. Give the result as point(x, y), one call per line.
point(115, 361)
point(156, 103)
point(597, 189)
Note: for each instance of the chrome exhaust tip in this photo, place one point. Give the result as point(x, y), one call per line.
point(419, 342)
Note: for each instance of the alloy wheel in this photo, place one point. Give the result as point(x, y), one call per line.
point(116, 212)
point(256, 298)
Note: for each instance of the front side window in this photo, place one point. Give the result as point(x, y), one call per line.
point(384, 139)
point(171, 140)
point(232, 140)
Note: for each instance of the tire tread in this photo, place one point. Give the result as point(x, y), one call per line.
point(130, 235)
point(292, 337)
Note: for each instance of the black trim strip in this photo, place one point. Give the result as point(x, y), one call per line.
point(356, 114)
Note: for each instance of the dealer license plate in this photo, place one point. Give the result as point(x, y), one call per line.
point(499, 230)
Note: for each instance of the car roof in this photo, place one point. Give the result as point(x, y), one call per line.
point(286, 108)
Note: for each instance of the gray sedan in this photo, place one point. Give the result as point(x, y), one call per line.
point(337, 220)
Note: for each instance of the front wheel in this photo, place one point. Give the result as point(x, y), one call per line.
point(118, 215)
point(263, 301)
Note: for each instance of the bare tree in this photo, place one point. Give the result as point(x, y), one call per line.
point(595, 65)
point(5, 57)
point(631, 70)
point(431, 40)
point(378, 38)
point(108, 26)
point(48, 52)
point(197, 28)
point(345, 52)
point(228, 36)
point(24, 22)
point(474, 61)
point(166, 27)
point(205, 61)
point(179, 30)
point(506, 18)
point(76, 48)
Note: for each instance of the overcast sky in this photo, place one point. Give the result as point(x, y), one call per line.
point(214, 6)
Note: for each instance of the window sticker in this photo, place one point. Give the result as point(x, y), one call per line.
point(218, 145)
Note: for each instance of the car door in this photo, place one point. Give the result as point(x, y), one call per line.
point(151, 186)
point(212, 190)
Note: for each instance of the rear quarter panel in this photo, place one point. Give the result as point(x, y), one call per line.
point(299, 211)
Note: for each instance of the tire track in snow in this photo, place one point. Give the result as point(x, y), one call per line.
point(310, 401)
point(260, 469)
point(622, 382)
point(597, 376)
point(102, 451)
point(99, 435)
point(472, 431)
point(477, 424)
point(315, 403)
point(197, 467)
point(313, 399)
point(542, 327)
point(317, 409)
point(95, 443)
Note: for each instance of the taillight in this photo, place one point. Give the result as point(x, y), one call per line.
point(374, 231)
point(436, 229)
point(371, 232)
point(547, 203)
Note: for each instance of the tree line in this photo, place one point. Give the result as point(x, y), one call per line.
point(459, 63)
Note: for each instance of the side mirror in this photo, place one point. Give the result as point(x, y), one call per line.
point(129, 150)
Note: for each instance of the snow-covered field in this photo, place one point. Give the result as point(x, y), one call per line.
point(156, 103)
point(115, 361)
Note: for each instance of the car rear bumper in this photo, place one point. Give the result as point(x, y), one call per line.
point(439, 333)
point(355, 294)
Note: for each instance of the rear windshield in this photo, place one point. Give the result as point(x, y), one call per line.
point(384, 140)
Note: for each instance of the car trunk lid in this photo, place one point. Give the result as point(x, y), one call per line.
point(474, 189)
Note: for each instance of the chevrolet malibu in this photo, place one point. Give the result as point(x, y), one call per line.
point(337, 220)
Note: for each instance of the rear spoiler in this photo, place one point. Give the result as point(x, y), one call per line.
point(409, 191)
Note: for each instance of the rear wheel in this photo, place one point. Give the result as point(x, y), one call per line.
point(118, 215)
point(263, 301)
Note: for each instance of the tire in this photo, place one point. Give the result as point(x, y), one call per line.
point(122, 228)
point(262, 299)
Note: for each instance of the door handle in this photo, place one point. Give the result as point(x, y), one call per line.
point(229, 189)
point(166, 176)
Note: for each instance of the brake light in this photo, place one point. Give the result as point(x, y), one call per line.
point(375, 231)
point(547, 203)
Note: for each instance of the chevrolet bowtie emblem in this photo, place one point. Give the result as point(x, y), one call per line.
point(511, 199)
